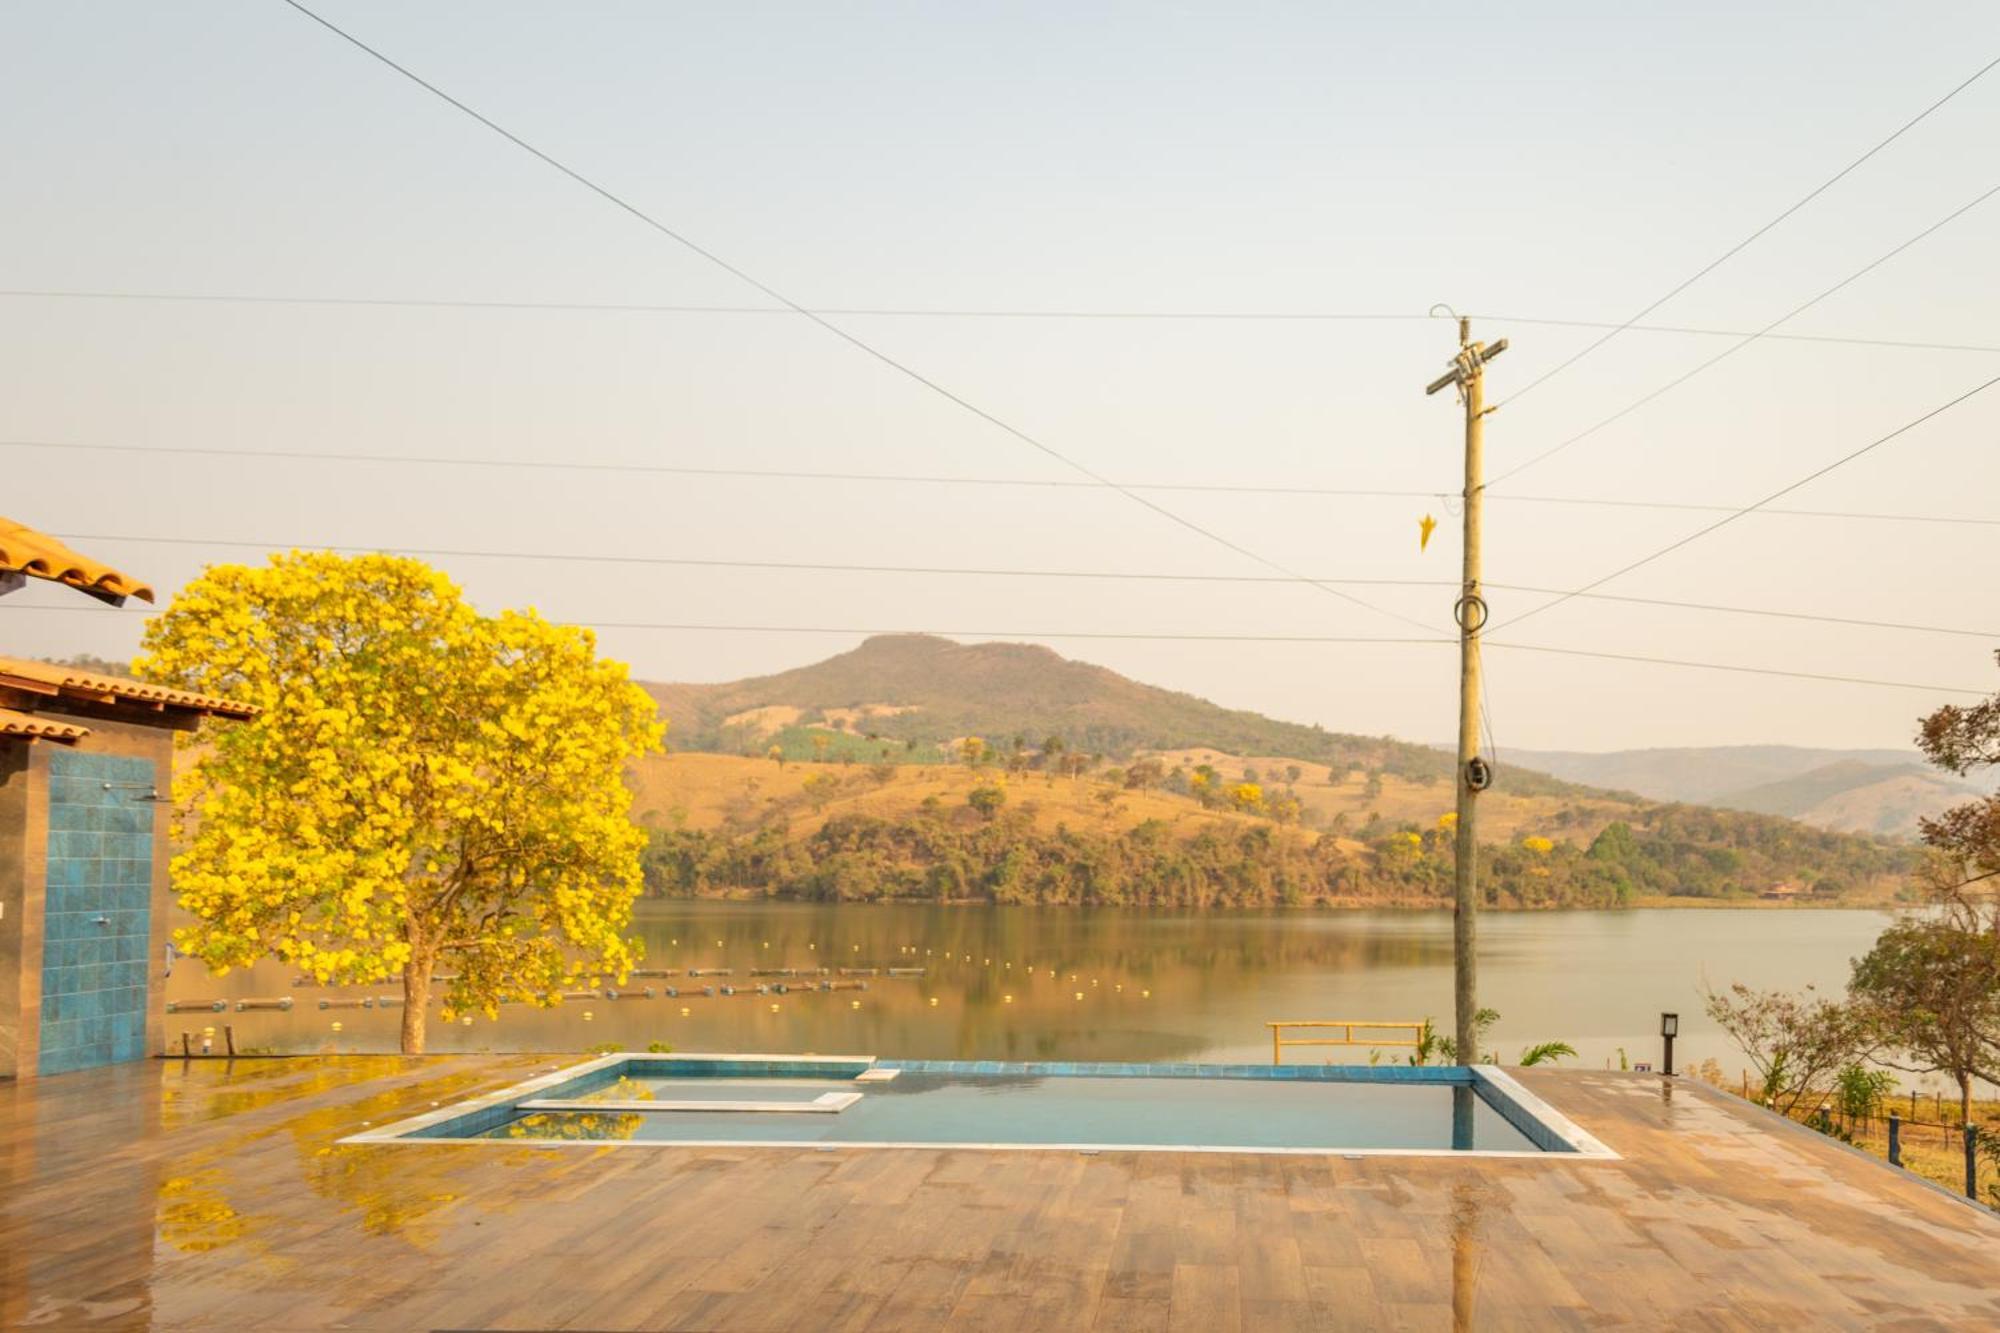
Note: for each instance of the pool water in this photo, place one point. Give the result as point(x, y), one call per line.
point(858, 1101)
point(1069, 1110)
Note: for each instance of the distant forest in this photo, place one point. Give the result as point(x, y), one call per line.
point(940, 853)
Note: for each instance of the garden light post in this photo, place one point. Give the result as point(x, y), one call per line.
point(1670, 1026)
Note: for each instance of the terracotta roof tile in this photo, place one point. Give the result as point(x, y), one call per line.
point(51, 678)
point(29, 727)
point(41, 556)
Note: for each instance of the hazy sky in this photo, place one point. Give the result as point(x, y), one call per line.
point(1534, 161)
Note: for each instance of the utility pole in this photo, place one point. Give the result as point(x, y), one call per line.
point(1474, 773)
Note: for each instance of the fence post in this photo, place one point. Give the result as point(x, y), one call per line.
point(1971, 1163)
point(1895, 1139)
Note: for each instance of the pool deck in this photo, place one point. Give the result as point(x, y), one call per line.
point(207, 1195)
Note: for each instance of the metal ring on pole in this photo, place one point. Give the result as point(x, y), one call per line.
point(1465, 604)
point(1478, 774)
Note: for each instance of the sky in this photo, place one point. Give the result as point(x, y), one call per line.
point(1525, 164)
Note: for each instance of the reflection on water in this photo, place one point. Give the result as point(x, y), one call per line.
point(1111, 984)
point(573, 1126)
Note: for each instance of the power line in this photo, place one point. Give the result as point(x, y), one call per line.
point(922, 479)
point(1742, 343)
point(1728, 666)
point(964, 571)
point(1146, 637)
point(1755, 505)
point(853, 340)
point(946, 312)
point(1754, 236)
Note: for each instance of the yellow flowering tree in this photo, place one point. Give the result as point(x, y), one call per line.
point(422, 785)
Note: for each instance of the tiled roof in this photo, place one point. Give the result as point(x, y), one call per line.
point(50, 678)
point(41, 556)
point(44, 728)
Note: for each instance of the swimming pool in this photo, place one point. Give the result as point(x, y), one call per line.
point(859, 1101)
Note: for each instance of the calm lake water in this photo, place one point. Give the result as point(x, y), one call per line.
point(1104, 984)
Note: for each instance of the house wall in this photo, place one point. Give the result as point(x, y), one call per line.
point(25, 866)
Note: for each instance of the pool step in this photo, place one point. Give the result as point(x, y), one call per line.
point(827, 1103)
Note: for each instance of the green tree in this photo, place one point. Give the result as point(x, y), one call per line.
point(1794, 1042)
point(987, 800)
point(1931, 991)
point(1964, 741)
point(422, 784)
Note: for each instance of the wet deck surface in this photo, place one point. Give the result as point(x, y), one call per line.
point(210, 1196)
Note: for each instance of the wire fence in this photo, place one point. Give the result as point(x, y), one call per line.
point(1939, 1150)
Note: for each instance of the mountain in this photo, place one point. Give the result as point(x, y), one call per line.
point(1854, 797)
point(926, 693)
point(1881, 792)
point(849, 779)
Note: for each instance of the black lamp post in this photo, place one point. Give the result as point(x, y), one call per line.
point(1670, 1027)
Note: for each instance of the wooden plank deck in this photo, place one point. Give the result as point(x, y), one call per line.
point(212, 1196)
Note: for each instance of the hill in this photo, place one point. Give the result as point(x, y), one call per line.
point(852, 778)
point(725, 825)
point(923, 694)
point(1881, 792)
point(1851, 797)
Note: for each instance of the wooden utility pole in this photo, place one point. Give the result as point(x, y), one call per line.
point(1474, 773)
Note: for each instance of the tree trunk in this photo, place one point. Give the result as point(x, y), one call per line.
point(1965, 1099)
point(416, 1001)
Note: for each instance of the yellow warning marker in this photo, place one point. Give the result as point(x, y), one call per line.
point(1425, 527)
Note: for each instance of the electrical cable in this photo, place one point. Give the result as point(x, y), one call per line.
point(779, 474)
point(1139, 636)
point(1747, 241)
point(962, 571)
point(1739, 345)
point(1724, 522)
point(943, 312)
point(853, 340)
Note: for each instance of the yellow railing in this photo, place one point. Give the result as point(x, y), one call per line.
point(1347, 1029)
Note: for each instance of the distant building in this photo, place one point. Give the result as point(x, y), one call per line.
point(86, 767)
point(1784, 892)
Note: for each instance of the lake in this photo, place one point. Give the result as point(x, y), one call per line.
point(1117, 984)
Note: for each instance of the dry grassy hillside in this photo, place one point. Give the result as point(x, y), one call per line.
point(714, 791)
point(1356, 794)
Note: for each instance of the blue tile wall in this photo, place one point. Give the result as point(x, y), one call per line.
point(97, 922)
